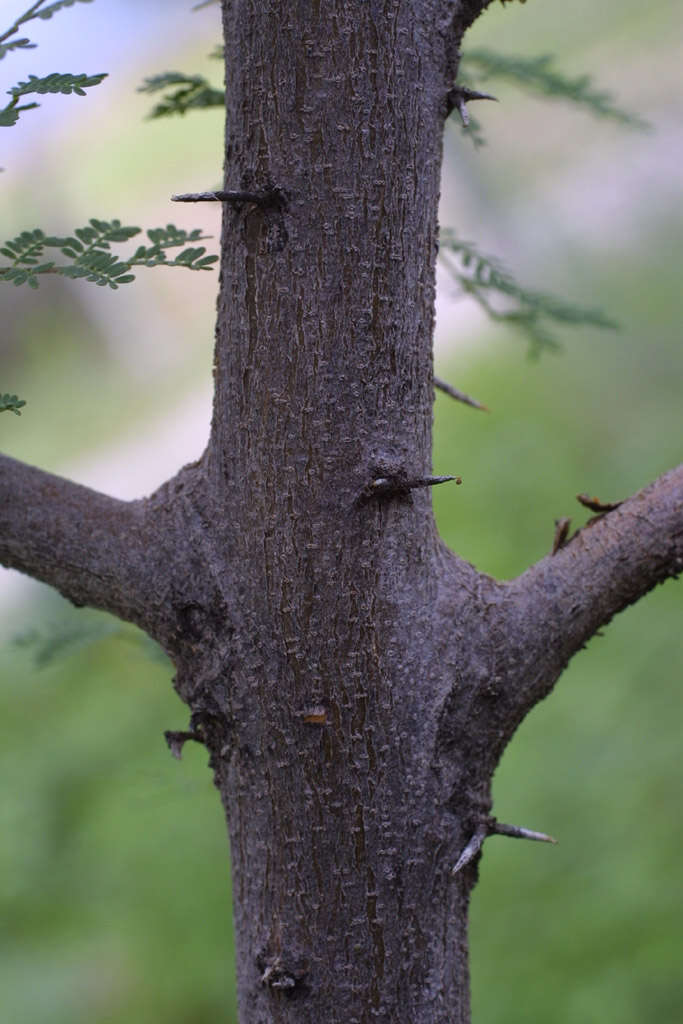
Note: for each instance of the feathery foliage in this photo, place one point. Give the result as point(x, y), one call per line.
point(538, 75)
point(487, 281)
point(192, 92)
point(65, 84)
point(89, 253)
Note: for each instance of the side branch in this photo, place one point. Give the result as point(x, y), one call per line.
point(94, 549)
point(560, 603)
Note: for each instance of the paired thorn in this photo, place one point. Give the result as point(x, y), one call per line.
point(398, 485)
point(491, 827)
point(594, 504)
point(458, 395)
point(270, 197)
point(459, 96)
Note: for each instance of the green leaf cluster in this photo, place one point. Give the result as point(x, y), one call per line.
point(191, 92)
point(90, 257)
point(11, 403)
point(506, 301)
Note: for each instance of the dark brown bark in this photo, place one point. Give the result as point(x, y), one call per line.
point(354, 681)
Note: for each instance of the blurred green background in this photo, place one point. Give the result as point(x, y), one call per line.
point(114, 880)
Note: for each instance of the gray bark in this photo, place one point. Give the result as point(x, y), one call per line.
point(354, 681)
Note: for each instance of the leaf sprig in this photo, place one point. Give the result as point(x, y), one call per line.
point(53, 83)
point(89, 253)
point(486, 280)
point(193, 92)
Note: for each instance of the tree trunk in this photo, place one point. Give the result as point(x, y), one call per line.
point(354, 681)
point(345, 818)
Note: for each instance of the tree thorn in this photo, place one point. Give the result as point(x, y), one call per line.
point(431, 481)
point(459, 96)
point(497, 828)
point(458, 395)
point(595, 505)
point(399, 485)
point(472, 849)
point(491, 827)
point(177, 739)
point(561, 531)
point(269, 197)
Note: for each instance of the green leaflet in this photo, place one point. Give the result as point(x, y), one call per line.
point(89, 254)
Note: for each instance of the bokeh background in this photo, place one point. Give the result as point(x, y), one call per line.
point(114, 878)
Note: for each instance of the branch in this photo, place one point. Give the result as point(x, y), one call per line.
point(94, 549)
point(561, 602)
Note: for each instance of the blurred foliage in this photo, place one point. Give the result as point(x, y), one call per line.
point(537, 75)
point(188, 92)
point(486, 280)
point(11, 403)
point(114, 891)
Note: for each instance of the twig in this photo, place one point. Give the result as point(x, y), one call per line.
point(22, 19)
point(459, 396)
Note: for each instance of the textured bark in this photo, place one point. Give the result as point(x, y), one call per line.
point(354, 681)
